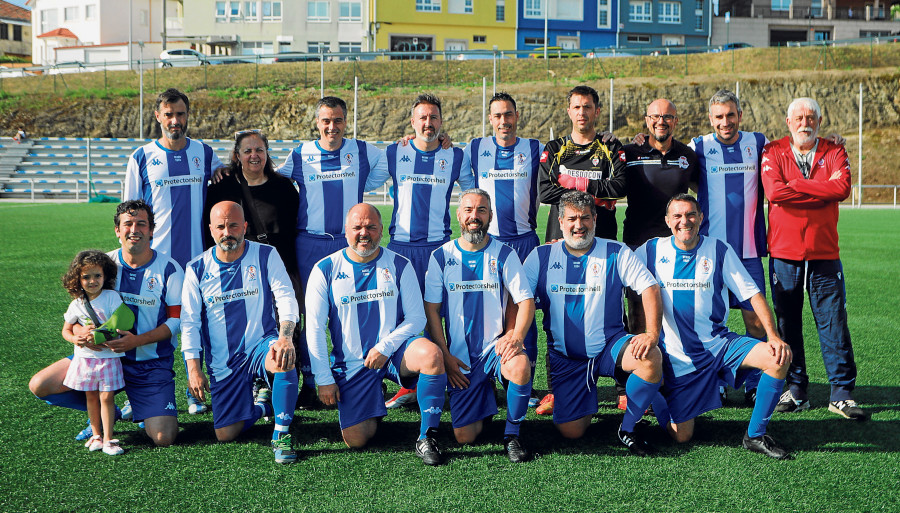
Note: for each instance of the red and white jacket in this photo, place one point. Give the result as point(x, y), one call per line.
point(803, 212)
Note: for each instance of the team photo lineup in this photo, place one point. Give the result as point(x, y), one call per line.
point(268, 282)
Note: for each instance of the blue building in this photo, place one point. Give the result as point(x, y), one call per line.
point(655, 23)
point(572, 24)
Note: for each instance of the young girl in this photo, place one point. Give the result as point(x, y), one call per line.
point(95, 369)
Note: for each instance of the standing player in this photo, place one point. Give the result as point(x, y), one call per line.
point(332, 173)
point(228, 297)
point(150, 284)
point(370, 300)
point(476, 278)
point(585, 161)
point(698, 350)
point(171, 175)
point(578, 282)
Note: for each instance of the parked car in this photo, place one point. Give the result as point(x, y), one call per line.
point(297, 57)
point(183, 58)
point(731, 46)
point(553, 52)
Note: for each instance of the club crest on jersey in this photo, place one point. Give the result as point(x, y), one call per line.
point(520, 158)
point(749, 152)
point(544, 156)
point(622, 156)
point(556, 265)
point(486, 153)
point(151, 283)
point(156, 162)
point(821, 162)
point(251, 273)
point(386, 275)
point(595, 161)
point(492, 266)
point(442, 163)
point(595, 269)
point(705, 265)
point(683, 162)
point(341, 275)
point(196, 162)
point(349, 158)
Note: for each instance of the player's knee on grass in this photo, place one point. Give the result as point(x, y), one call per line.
point(682, 432)
point(468, 434)
point(230, 432)
point(357, 436)
point(49, 380)
point(575, 428)
point(162, 430)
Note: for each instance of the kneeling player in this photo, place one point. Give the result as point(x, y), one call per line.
point(696, 274)
point(578, 282)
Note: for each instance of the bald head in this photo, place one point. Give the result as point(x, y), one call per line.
point(661, 120)
point(363, 231)
point(228, 227)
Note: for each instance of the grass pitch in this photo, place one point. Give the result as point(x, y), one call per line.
point(840, 465)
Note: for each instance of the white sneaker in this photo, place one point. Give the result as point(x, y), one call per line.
point(94, 443)
point(195, 407)
point(126, 410)
point(112, 448)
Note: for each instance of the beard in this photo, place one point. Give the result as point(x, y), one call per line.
point(229, 243)
point(476, 235)
point(577, 244)
point(366, 253)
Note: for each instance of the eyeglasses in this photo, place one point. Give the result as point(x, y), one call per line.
point(668, 118)
point(245, 132)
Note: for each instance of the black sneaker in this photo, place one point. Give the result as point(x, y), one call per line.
point(848, 409)
point(750, 397)
point(308, 398)
point(789, 403)
point(514, 449)
point(427, 449)
point(635, 444)
point(765, 445)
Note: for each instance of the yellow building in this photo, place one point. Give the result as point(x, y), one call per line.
point(443, 25)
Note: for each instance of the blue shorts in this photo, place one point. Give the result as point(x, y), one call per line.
point(521, 244)
point(150, 386)
point(574, 381)
point(755, 268)
point(361, 395)
point(418, 255)
point(477, 401)
point(312, 248)
point(232, 396)
point(698, 392)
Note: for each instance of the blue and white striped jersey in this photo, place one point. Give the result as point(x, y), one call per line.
point(331, 182)
point(473, 287)
point(694, 286)
point(510, 176)
point(730, 192)
point(375, 305)
point(227, 307)
point(149, 291)
point(173, 183)
point(582, 296)
point(423, 184)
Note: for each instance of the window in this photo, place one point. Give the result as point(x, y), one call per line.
point(459, 6)
point(234, 11)
point(670, 12)
point(781, 5)
point(640, 11)
point(603, 14)
point(70, 13)
point(351, 11)
point(428, 5)
point(251, 12)
point(4, 31)
point(644, 40)
point(317, 11)
point(271, 11)
point(816, 8)
point(501, 10)
point(318, 47)
point(479, 39)
point(349, 47)
point(567, 10)
point(698, 14)
point(220, 12)
point(49, 20)
point(534, 41)
point(256, 48)
point(17, 33)
point(90, 12)
point(534, 9)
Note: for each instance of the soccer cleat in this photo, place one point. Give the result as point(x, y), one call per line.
point(765, 444)
point(514, 449)
point(427, 449)
point(95, 443)
point(622, 402)
point(126, 410)
point(112, 448)
point(85, 433)
point(848, 409)
point(750, 397)
point(789, 403)
point(635, 444)
point(402, 397)
point(534, 400)
point(284, 449)
point(545, 407)
point(195, 407)
point(308, 398)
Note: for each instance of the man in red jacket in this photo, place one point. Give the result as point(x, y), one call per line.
point(805, 179)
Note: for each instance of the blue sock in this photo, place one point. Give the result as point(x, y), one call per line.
point(752, 379)
point(72, 399)
point(516, 406)
point(661, 410)
point(285, 388)
point(639, 393)
point(430, 391)
point(767, 393)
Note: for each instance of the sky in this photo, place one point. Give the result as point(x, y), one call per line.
point(20, 3)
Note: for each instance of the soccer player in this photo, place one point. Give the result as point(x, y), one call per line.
point(578, 283)
point(369, 299)
point(150, 284)
point(227, 300)
point(171, 175)
point(805, 178)
point(584, 160)
point(477, 278)
point(332, 173)
point(423, 174)
point(695, 273)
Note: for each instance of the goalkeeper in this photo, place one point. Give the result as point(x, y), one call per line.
point(585, 160)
